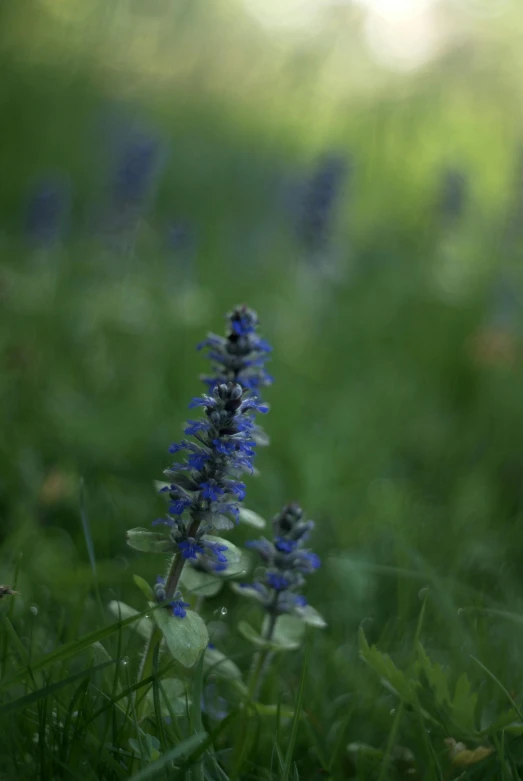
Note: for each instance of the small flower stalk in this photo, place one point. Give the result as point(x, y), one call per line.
point(286, 561)
point(278, 589)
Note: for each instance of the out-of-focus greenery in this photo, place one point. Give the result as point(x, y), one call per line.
point(396, 418)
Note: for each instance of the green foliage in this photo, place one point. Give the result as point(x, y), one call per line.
point(149, 542)
point(396, 414)
point(186, 638)
point(250, 518)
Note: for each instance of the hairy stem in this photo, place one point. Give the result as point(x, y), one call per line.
point(171, 584)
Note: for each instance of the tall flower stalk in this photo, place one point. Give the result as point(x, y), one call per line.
point(205, 487)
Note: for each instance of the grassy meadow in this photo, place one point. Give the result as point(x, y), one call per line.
point(396, 415)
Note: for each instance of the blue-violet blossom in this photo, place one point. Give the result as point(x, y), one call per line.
point(205, 489)
point(240, 355)
point(286, 561)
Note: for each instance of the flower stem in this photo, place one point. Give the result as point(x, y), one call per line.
point(171, 584)
point(175, 570)
point(259, 666)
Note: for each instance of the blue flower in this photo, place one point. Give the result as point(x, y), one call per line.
point(239, 356)
point(225, 446)
point(236, 488)
point(206, 481)
point(162, 521)
point(215, 550)
point(211, 490)
point(277, 582)
point(283, 545)
point(198, 460)
point(286, 561)
point(190, 548)
point(202, 401)
point(178, 506)
point(195, 427)
point(317, 207)
point(178, 608)
point(205, 485)
point(254, 403)
point(48, 207)
point(177, 604)
point(312, 560)
point(263, 547)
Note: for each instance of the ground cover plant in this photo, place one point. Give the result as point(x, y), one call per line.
point(178, 615)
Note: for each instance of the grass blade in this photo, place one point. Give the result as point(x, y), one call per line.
point(296, 717)
point(186, 746)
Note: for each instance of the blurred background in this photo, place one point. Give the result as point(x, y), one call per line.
point(354, 172)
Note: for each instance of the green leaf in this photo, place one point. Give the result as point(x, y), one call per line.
point(464, 705)
point(186, 637)
point(173, 692)
point(144, 587)
point(149, 542)
point(252, 519)
point(151, 747)
point(507, 721)
point(366, 759)
point(311, 616)
point(144, 626)
point(222, 522)
point(100, 656)
point(250, 634)
point(272, 710)
point(203, 584)
point(383, 666)
point(216, 663)
point(460, 709)
point(275, 644)
point(435, 676)
point(246, 591)
point(234, 568)
point(186, 747)
point(288, 631)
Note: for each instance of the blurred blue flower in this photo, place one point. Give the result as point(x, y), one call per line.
point(452, 196)
point(48, 206)
point(319, 198)
point(138, 157)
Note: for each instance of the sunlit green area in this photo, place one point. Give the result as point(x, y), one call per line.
point(396, 411)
